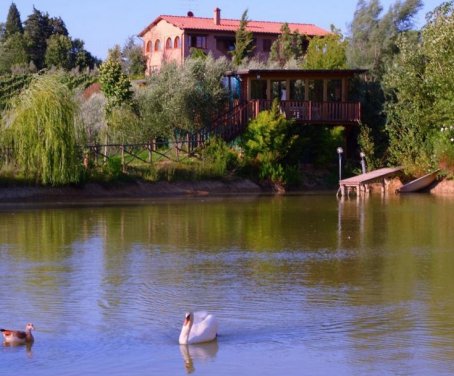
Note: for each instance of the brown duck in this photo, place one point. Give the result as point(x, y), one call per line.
point(18, 337)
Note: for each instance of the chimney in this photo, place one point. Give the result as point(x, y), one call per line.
point(217, 16)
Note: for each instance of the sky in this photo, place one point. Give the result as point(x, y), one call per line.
point(101, 24)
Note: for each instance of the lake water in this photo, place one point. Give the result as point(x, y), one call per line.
point(301, 285)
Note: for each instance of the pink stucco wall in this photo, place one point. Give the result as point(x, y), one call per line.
point(163, 30)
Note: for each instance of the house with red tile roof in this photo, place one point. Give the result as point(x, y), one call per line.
point(171, 38)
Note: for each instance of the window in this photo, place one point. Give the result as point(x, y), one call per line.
point(148, 47)
point(177, 43)
point(335, 90)
point(258, 89)
point(169, 43)
point(157, 45)
point(315, 90)
point(198, 41)
point(225, 45)
point(297, 89)
point(267, 45)
point(279, 90)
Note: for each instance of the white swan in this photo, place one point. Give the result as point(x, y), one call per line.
point(198, 327)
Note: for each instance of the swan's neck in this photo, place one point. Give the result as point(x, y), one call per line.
point(184, 335)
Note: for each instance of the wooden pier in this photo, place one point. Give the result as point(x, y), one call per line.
point(359, 183)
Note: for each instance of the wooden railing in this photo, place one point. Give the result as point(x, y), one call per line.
point(232, 123)
point(316, 112)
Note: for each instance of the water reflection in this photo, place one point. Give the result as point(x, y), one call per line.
point(198, 353)
point(367, 282)
point(18, 346)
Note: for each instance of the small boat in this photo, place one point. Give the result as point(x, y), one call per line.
point(418, 184)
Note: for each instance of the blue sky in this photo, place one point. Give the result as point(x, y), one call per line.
point(104, 23)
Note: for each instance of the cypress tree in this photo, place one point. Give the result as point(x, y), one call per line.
point(13, 22)
point(37, 31)
point(243, 41)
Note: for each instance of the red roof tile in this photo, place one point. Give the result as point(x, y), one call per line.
point(265, 27)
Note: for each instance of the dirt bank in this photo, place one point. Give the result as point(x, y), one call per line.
point(134, 189)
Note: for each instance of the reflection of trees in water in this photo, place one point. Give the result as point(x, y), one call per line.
point(370, 254)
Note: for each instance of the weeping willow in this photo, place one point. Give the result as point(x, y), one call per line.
point(42, 124)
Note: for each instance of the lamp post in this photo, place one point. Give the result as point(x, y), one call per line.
point(339, 152)
point(363, 162)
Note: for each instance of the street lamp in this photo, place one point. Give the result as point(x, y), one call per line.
point(363, 162)
point(339, 152)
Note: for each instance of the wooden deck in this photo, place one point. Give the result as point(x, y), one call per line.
point(359, 182)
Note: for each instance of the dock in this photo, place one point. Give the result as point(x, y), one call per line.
point(359, 183)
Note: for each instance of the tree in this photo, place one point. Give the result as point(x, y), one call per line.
point(182, 98)
point(13, 53)
point(420, 97)
point(114, 83)
point(328, 52)
point(134, 61)
point(13, 22)
point(372, 40)
point(37, 31)
point(287, 47)
point(266, 143)
point(80, 57)
point(243, 41)
point(58, 52)
point(42, 122)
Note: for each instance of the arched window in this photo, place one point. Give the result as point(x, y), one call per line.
point(148, 47)
point(168, 43)
point(176, 43)
point(157, 45)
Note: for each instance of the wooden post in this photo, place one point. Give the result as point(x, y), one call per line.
point(122, 149)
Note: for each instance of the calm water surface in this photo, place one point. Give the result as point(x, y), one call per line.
point(301, 285)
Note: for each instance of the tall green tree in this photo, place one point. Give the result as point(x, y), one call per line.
point(13, 53)
point(37, 31)
point(420, 105)
point(243, 41)
point(328, 52)
point(13, 22)
point(114, 83)
point(373, 35)
point(133, 59)
point(58, 52)
point(287, 47)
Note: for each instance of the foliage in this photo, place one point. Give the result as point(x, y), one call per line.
point(13, 23)
point(266, 143)
point(13, 53)
point(367, 145)
point(420, 94)
point(92, 115)
point(182, 98)
point(443, 142)
point(114, 83)
point(243, 41)
point(133, 59)
point(221, 158)
point(287, 47)
point(58, 52)
point(11, 86)
point(373, 37)
point(124, 124)
point(328, 52)
point(41, 121)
